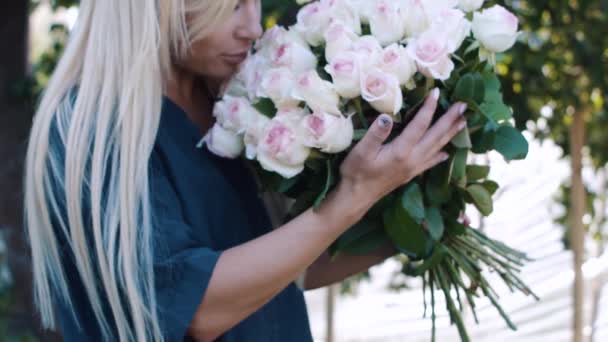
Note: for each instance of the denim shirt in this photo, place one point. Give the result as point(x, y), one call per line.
point(202, 205)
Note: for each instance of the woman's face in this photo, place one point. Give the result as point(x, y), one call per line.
point(218, 55)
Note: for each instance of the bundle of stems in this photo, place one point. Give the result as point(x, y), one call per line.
point(457, 269)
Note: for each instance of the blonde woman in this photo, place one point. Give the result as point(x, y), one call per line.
point(136, 235)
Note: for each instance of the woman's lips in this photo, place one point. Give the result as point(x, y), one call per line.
point(236, 59)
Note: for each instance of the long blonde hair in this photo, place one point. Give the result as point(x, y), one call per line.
point(94, 197)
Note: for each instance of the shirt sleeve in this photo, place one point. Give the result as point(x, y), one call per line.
point(183, 265)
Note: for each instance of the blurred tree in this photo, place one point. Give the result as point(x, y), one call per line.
point(557, 80)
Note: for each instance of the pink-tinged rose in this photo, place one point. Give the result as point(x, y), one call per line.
point(251, 72)
point(396, 61)
point(319, 95)
point(327, 132)
point(277, 84)
point(234, 113)
point(294, 56)
point(346, 74)
point(386, 22)
point(495, 28)
point(223, 142)
point(470, 5)
point(382, 91)
point(369, 50)
point(419, 14)
point(253, 135)
point(343, 11)
point(312, 21)
point(415, 17)
point(454, 25)
point(338, 38)
point(430, 51)
point(281, 149)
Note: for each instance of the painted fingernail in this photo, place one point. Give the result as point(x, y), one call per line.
point(384, 121)
point(462, 125)
point(435, 93)
point(444, 156)
point(463, 108)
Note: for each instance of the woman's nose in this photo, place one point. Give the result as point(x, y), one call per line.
point(251, 27)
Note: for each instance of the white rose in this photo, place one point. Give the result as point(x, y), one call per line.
point(369, 50)
point(223, 142)
point(338, 38)
point(396, 61)
point(281, 149)
point(470, 5)
point(414, 17)
point(346, 75)
point(418, 14)
point(293, 113)
point(362, 7)
point(495, 28)
point(386, 22)
point(382, 91)
point(455, 26)
point(312, 21)
point(251, 73)
point(341, 11)
point(277, 84)
point(294, 56)
point(253, 135)
point(327, 132)
point(317, 93)
point(234, 113)
point(430, 51)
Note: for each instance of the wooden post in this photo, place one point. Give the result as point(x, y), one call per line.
point(577, 229)
point(330, 312)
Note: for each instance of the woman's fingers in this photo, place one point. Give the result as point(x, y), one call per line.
point(443, 131)
point(434, 161)
point(375, 136)
point(416, 129)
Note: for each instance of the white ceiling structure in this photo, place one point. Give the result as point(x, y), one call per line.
point(523, 218)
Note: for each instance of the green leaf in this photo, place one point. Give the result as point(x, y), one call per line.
point(438, 254)
point(497, 111)
point(511, 143)
point(408, 236)
point(492, 87)
point(477, 172)
point(491, 186)
point(470, 88)
point(481, 198)
point(328, 184)
point(412, 202)
point(359, 134)
point(266, 107)
point(434, 222)
point(366, 244)
point(357, 235)
point(286, 184)
point(459, 175)
point(462, 139)
point(483, 140)
point(437, 189)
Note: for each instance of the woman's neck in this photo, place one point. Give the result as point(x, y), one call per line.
point(195, 95)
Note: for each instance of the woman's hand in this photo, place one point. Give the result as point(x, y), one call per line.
point(374, 169)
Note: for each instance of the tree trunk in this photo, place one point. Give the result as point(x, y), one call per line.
point(577, 139)
point(599, 282)
point(15, 119)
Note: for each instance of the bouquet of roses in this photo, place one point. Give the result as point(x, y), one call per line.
point(308, 93)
